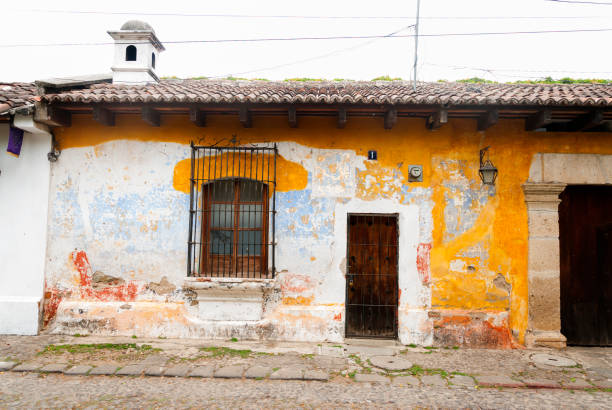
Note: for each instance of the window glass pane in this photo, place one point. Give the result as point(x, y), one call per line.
point(250, 216)
point(222, 216)
point(249, 243)
point(221, 242)
point(221, 191)
point(251, 191)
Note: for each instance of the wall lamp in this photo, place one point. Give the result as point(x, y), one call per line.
point(487, 171)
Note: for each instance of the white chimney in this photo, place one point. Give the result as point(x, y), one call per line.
point(136, 52)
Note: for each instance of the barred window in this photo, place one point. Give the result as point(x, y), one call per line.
point(231, 231)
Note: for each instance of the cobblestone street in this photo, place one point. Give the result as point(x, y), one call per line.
point(32, 390)
point(115, 372)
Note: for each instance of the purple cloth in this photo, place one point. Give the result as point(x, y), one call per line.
point(15, 140)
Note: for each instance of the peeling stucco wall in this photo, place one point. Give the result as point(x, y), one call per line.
point(118, 200)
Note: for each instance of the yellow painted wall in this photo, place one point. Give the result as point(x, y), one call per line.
point(499, 230)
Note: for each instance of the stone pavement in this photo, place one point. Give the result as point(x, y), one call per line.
point(356, 362)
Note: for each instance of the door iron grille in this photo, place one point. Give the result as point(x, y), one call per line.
point(372, 276)
point(232, 210)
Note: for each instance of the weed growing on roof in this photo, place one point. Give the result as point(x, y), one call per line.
point(303, 79)
point(386, 78)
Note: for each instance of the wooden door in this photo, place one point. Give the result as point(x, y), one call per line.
point(371, 280)
point(585, 237)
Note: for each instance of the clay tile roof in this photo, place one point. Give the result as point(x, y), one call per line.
point(15, 95)
point(344, 92)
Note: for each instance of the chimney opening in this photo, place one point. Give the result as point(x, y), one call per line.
point(130, 53)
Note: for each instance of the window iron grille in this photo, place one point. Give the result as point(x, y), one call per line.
point(232, 208)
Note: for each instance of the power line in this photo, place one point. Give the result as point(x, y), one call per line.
point(589, 3)
point(306, 17)
point(329, 54)
point(517, 70)
point(253, 40)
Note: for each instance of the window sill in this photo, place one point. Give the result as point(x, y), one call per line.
point(229, 299)
point(211, 282)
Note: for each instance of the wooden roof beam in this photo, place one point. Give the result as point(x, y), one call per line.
point(52, 116)
point(150, 116)
point(197, 116)
point(245, 117)
point(538, 120)
point(586, 121)
point(104, 116)
point(342, 118)
point(292, 114)
point(437, 119)
point(390, 118)
point(488, 119)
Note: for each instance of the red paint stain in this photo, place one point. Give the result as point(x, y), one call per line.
point(338, 317)
point(423, 266)
point(53, 297)
point(126, 292)
point(292, 284)
point(81, 263)
point(455, 330)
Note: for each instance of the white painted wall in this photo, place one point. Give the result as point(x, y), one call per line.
point(24, 193)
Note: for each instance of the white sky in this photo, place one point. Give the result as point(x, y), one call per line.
point(578, 55)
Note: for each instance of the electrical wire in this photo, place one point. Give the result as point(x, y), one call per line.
point(588, 3)
point(253, 40)
point(517, 70)
point(306, 17)
point(318, 57)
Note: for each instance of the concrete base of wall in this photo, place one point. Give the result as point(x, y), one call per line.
point(19, 315)
point(545, 339)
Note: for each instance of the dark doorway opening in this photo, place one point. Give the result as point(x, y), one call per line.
point(585, 239)
point(371, 279)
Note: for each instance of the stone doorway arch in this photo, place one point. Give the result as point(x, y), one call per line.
point(549, 174)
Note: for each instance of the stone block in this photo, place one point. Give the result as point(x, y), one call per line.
point(131, 370)
point(53, 368)
point(177, 371)
point(371, 378)
point(433, 380)
point(543, 255)
point(543, 224)
point(257, 372)
point(27, 367)
point(544, 304)
point(541, 384)
point(498, 381)
point(318, 375)
point(332, 351)
point(552, 338)
point(5, 366)
point(370, 350)
point(392, 363)
point(202, 371)
point(230, 372)
point(78, 370)
point(104, 370)
point(572, 169)
point(578, 384)
point(462, 381)
point(406, 381)
point(603, 384)
point(154, 371)
point(287, 373)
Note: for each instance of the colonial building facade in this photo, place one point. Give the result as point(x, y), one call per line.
point(449, 213)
